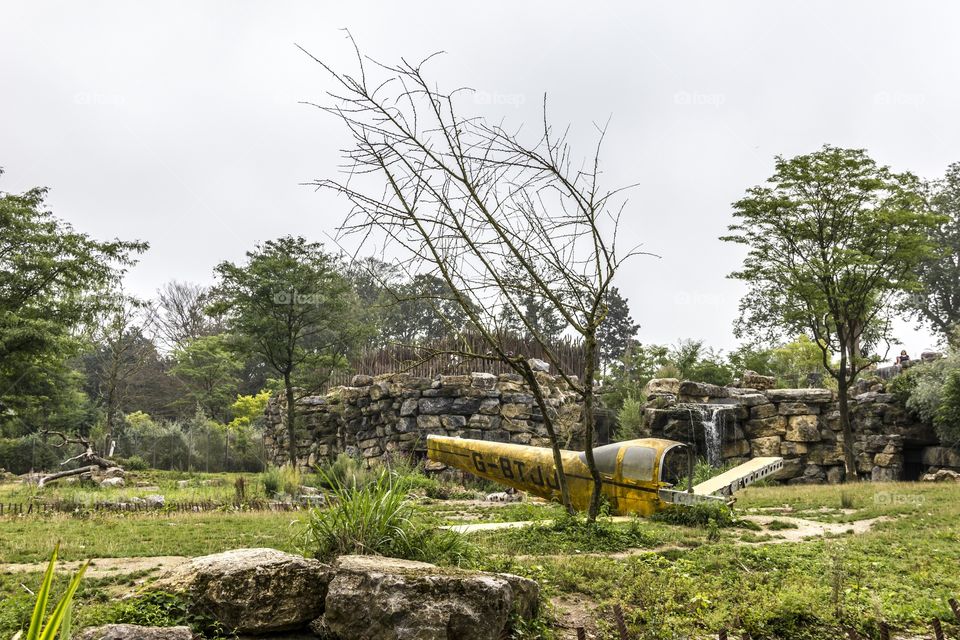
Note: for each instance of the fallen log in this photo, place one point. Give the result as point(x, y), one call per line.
point(45, 480)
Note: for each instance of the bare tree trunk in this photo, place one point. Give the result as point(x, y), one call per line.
point(45, 480)
point(291, 418)
point(589, 418)
point(843, 402)
point(534, 385)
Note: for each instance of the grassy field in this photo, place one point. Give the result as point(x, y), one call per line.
point(892, 553)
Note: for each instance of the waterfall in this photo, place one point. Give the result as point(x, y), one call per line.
point(711, 417)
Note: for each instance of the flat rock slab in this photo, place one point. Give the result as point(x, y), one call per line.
point(378, 598)
point(134, 632)
point(800, 395)
point(255, 591)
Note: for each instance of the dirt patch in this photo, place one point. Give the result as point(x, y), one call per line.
point(573, 611)
point(102, 567)
point(805, 529)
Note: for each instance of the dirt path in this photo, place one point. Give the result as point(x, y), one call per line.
point(102, 567)
point(805, 529)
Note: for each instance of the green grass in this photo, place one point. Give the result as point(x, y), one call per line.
point(128, 535)
point(200, 487)
point(693, 581)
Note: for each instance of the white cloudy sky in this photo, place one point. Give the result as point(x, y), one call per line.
point(179, 123)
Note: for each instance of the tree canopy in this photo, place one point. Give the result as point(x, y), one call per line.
point(831, 240)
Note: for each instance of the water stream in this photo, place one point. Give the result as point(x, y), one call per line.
point(713, 421)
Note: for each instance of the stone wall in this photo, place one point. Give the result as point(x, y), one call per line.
point(801, 425)
point(393, 414)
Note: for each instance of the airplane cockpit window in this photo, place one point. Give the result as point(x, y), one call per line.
point(638, 463)
point(605, 457)
point(674, 466)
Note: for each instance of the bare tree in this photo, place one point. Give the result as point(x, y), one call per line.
point(180, 314)
point(467, 201)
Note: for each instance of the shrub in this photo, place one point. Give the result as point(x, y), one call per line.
point(286, 479)
point(702, 471)
point(702, 514)
point(630, 420)
point(931, 390)
point(133, 463)
point(378, 518)
point(947, 417)
point(344, 470)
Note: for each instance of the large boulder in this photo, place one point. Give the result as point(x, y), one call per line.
point(800, 395)
point(703, 390)
point(252, 591)
point(753, 380)
point(662, 387)
point(378, 598)
point(134, 632)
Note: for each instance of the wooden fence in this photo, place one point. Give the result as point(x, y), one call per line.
point(15, 509)
point(409, 359)
point(851, 633)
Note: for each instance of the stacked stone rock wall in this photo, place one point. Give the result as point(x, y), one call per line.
point(393, 414)
point(800, 425)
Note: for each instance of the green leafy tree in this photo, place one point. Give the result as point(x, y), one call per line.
point(831, 240)
point(618, 330)
point(52, 285)
point(208, 369)
point(295, 311)
point(422, 309)
point(937, 302)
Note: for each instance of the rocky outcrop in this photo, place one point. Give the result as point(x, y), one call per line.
point(388, 599)
point(253, 591)
point(800, 425)
point(134, 632)
point(393, 414)
point(264, 591)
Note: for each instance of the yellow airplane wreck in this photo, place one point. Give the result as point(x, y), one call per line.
point(638, 476)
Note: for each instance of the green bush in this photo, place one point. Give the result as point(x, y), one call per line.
point(931, 390)
point(133, 463)
point(702, 514)
point(378, 518)
point(630, 420)
point(947, 418)
point(282, 480)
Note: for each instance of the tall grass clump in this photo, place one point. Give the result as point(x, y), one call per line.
point(344, 471)
point(377, 518)
point(59, 620)
point(286, 479)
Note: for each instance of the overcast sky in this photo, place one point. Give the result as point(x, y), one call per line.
point(181, 123)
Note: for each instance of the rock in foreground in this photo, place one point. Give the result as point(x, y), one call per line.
point(252, 591)
point(380, 598)
point(134, 632)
